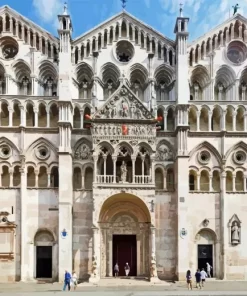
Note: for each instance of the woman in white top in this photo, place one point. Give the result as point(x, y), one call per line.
point(203, 276)
point(74, 279)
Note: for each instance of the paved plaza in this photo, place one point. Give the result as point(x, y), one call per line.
point(128, 287)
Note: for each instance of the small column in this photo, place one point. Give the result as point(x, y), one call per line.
point(167, 55)
point(196, 89)
point(237, 90)
point(102, 40)
point(47, 116)
point(151, 45)
point(50, 85)
point(223, 121)
point(204, 50)
point(127, 30)
point(36, 178)
point(96, 44)
point(11, 172)
point(28, 36)
point(243, 92)
point(114, 159)
point(23, 32)
point(4, 23)
point(95, 160)
point(210, 114)
point(25, 84)
point(34, 40)
point(90, 47)
point(120, 31)
point(233, 182)
point(133, 159)
point(10, 116)
point(48, 179)
point(145, 42)
point(210, 182)
point(220, 90)
point(198, 113)
point(82, 117)
point(108, 37)
point(165, 120)
point(198, 182)
point(36, 113)
point(23, 113)
point(139, 37)
point(11, 25)
point(40, 44)
point(221, 39)
point(114, 34)
point(142, 158)
point(240, 32)
point(245, 180)
point(199, 53)
point(245, 121)
point(16, 28)
point(234, 115)
point(232, 32)
point(84, 85)
point(104, 158)
point(133, 34)
point(227, 35)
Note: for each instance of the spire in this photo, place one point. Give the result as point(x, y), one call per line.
point(65, 9)
point(181, 10)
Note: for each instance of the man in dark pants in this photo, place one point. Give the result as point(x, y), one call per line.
point(67, 278)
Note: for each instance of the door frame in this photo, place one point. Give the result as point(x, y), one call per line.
point(134, 235)
point(54, 261)
point(213, 257)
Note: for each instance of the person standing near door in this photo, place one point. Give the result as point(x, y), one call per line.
point(208, 268)
point(116, 270)
point(67, 278)
point(203, 276)
point(189, 279)
point(127, 269)
point(198, 279)
point(74, 280)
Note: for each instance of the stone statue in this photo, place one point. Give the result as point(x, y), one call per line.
point(235, 9)
point(153, 269)
point(123, 169)
point(235, 234)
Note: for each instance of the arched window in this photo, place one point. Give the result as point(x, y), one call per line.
point(88, 179)
point(170, 180)
point(77, 178)
point(159, 179)
point(54, 177)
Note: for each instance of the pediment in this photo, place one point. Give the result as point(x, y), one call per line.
point(123, 104)
point(28, 23)
point(117, 19)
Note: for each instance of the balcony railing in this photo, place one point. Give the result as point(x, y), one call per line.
point(109, 179)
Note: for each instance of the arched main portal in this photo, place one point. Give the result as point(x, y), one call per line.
point(124, 223)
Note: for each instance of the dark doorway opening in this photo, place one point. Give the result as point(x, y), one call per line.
point(124, 250)
point(44, 262)
point(205, 254)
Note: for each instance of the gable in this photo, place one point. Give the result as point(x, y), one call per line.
point(28, 23)
point(123, 104)
point(118, 19)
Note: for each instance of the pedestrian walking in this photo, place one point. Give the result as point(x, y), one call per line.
point(74, 280)
point(116, 270)
point(203, 276)
point(189, 279)
point(198, 279)
point(67, 278)
point(127, 269)
point(208, 268)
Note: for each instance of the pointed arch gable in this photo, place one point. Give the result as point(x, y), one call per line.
point(166, 143)
point(84, 71)
point(83, 141)
point(164, 73)
point(208, 146)
point(109, 71)
point(126, 145)
point(4, 140)
point(21, 69)
point(47, 70)
point(239, 145)
point(138, 72)
point(225, 75)
point(40, 141)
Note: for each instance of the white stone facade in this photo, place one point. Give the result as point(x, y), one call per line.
point(122, 131)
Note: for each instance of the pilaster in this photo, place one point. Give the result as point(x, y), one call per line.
point(65, 156)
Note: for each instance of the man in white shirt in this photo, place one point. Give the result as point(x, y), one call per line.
point(203, 276)
point(209, 267)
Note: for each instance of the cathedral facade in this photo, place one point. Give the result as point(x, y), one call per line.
point(122, 145)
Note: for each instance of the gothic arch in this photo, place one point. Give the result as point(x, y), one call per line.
point(164, 73)
point(40, 141)
point(208, 146)
point(45, 233)
point(83, 141)
point(109, 71)
point(4, 140)
point(240, 145)
point(84, 71)
point(166, 143)
point(125, 144)
point(200, 75)
point(47, 70)
point(138, 72)
point(210, 231)
point(225, 75)
point(21, 69)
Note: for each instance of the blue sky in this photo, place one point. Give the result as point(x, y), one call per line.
point(160, 14)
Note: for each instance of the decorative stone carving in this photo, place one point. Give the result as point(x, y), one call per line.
point(116, 130)
point(234, 226)
point(124, 171)
point(163, 153)
point(124, 104)
point(83, 152)
point(95, 267)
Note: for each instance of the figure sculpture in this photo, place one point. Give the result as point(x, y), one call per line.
point(235, 9)
point(235, 234)
point(123, 169)
point(153, 267)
